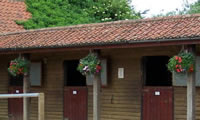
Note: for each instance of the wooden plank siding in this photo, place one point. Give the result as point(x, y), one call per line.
point(53, 89)
point(180, 103)
point(121, 99)
point(53, 84)
point(3, 89)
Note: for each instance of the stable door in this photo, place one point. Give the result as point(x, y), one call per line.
point(157, 90)
point(75, 92)
point(157, 103)
point(15, 105)
point(75, 103)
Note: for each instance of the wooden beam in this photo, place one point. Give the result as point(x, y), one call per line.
point(191, 90)
point(26, 89)
point(41, 108)
point(96, 95)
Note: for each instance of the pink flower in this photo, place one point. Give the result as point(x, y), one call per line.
point(177, 70)
point(176, 57)
point(180, 60)
point(85, 68)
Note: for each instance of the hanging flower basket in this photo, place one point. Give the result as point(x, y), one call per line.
point(18, 66)
point(181, 63)
point(89, 65)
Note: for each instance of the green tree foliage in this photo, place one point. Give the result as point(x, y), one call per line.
point(194, 8)
point(51, 13)
point(181, 11)
point(186, 9)
point(112, 10)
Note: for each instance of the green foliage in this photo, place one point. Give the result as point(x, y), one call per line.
point(181, 11)
point(194, 8)
point(89, 65)
point(18, 66)
point(51, 13)
point(186, 9)
point(181, 63)
point(112, 10)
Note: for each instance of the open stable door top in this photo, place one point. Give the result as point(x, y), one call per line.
point(72, 76)
point(155, 72)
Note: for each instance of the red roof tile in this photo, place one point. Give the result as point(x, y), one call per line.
point(119, 32)
point(10, 11)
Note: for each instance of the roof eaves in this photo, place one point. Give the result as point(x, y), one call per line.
point(97, 44)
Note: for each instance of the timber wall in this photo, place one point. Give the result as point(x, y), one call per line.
point(3, 89)
point(121, 98)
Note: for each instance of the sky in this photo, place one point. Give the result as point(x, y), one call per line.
point(158, 6)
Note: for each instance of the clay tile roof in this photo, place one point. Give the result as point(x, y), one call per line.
point(10, 11)
point(120, 32)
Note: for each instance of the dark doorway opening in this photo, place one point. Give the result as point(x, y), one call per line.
point(72, 76)
point(156, 72)
point(16, 80)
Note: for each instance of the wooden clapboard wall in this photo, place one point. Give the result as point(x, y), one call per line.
point(121, 98)
point(53, 89)
point(53, 84)
point(3, 89)
point(180, 103)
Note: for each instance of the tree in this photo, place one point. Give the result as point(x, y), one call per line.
point(194, 8)
point(112, 10)
point(181, 11)
point(51, 13)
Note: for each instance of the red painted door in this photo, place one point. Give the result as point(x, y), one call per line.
point(75, 103)
point(15, 105)
point(158, 103)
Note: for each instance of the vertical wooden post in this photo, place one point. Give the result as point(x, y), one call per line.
point(191, 90)
point(96, 95)
point(41, 109)
point(26, 89)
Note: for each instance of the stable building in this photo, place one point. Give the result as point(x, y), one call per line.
point(136, 84)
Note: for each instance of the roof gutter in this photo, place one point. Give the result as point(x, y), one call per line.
point(167, 40)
